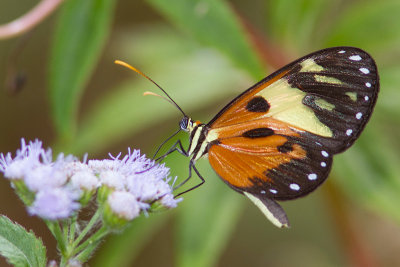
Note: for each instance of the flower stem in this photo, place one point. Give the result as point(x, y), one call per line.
point(55, 229)
point(87, 247)
point(72, 229)
point(88, 227)
point(72, 247)
point(65, 228)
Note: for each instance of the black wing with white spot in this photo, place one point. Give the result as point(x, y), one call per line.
point(341, 86)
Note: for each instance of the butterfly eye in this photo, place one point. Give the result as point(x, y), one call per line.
point(184, 123)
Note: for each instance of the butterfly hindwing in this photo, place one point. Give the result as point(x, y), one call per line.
point(278, 163)
point(272, 210)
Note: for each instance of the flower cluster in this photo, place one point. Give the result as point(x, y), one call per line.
point(57, 189)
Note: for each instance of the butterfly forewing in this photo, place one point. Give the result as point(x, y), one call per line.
point(277, 139)
point(340, 86)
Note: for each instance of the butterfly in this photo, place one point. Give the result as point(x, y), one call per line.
point(276, 140)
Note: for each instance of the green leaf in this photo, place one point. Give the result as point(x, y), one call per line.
point(369, 171)
point(206, 220)
point(389, 94)
point(80, 35)
point(122, 249)
point(19, 247)
point(214, 24)
point(125, 111)
point(294, 23)
point(372, 25)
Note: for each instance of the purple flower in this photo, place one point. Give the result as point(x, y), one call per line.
point(124, 205)
point(54, 204)
point(146, 180)
point(85, 180)
point(26, 158)
point(132, 183)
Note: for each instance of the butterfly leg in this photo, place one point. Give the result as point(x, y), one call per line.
point(176, 147)
point(163, 143)
point(191, 166)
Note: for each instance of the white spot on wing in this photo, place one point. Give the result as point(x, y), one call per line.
point(262, 192)
point(294, 187)
point(358, 115)
point(312, 176)
point(364, 70)
point(324, 153)
point(341, 52)
point(273, 191)
point(323, 164)
point(368, 85)
point(349, 132)
point(355, 58)
point(366, 98)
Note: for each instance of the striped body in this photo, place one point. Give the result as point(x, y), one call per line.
point(201, 138)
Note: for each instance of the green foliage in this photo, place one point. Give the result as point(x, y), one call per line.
point(293, 24)
point(372, 25)
point(206, 221)
point(80, 35)
point(19, 247)
point(214, 24)
point(213, 74)
point(122, 249)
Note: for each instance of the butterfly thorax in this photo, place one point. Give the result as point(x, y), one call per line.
point(199, 141)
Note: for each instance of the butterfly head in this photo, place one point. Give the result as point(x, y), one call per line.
point(187, 124)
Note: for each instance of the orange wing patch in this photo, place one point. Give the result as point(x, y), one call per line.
point(242, 162)
point(242, 170)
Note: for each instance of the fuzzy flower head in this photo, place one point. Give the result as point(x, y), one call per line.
point(126, 186)
point(134, 183)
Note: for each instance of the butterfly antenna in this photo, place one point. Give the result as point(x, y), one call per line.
point(161, 96)
point(169, 99)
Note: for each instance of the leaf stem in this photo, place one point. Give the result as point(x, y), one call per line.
point(30, 19)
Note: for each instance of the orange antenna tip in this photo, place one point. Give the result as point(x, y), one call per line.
point(150, 93)
point(167, 97)
point(126, 65)
point(161, 96)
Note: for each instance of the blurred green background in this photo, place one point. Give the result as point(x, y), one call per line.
point(205, 52)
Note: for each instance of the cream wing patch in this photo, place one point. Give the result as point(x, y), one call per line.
point(327, 79)
point(286, 105)
point(309, 65)
point(324, 104)
point(352, 95)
